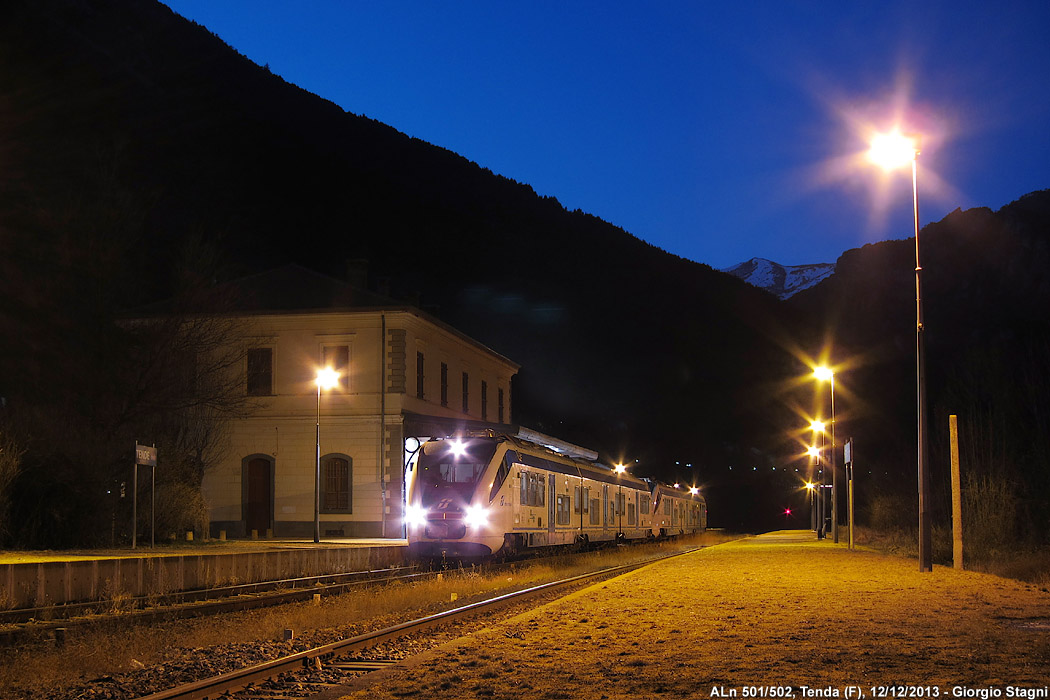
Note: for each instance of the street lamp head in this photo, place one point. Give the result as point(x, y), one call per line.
point(817, 426)
point(620, 468)
point(327, 378)
point(892, 150)
point(694, 490)
point(824, 374)
point(812, 451)
point(810, 485)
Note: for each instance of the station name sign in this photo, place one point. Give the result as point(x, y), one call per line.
point(146, 456)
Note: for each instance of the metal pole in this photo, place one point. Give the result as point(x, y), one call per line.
point(317, 472)
point(925, 538)
point(849, 479)
point(834, 470)
point(153, 506)
point(135, 502)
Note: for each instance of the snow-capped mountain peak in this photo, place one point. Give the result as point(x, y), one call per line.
point(781, 280)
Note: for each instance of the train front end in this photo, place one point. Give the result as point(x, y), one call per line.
point(448, 510)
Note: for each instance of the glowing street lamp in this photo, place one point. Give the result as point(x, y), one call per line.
point(826, 374)
point(327, 378)
point(891, 151)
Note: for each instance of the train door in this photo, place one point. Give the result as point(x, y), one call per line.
point(552, 512)
point(606, 514)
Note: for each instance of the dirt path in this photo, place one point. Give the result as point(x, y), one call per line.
point(771, 611)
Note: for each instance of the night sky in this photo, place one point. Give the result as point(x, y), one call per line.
point(717, 131)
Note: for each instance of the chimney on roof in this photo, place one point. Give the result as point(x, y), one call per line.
point(357, 272)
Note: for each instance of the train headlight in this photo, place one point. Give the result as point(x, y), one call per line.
point(415, 516)
point(476, 516)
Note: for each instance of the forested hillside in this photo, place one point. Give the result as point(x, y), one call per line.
point(986, 293)
point(143, 158)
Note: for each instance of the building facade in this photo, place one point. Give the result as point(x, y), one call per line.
point(401, 373)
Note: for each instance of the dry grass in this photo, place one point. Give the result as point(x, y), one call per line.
point(90, 654)
point(759, 612)
point(1023, 564)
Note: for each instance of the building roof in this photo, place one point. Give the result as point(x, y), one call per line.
point(299, 289)
point(294, 289)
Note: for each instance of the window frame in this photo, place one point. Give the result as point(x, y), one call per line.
point(326, 463)
point(251, 372)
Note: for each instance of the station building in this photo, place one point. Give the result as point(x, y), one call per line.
point(402, 374)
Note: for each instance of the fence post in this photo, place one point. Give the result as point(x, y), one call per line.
point(957, 529)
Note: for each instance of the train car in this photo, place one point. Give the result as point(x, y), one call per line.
point(477, 496)
point(677, 512)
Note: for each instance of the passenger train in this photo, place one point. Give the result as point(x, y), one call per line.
point(478, 496)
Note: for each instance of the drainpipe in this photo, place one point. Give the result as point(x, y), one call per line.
point(382, 416)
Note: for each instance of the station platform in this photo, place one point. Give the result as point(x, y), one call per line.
point(782, 615)
point(41, 579)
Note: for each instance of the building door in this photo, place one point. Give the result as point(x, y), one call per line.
point(258, 496)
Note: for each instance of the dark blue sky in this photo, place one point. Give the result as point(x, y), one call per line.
point(717, 131)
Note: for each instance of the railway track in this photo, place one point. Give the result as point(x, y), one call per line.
point(16, 625)
point(30, 623)
point(318, 669)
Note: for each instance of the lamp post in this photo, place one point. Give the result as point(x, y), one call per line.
point(815, 452)
point(827, 374)
point(812, 505)
point(326, 379)
point(620, 469)
point(891, 151)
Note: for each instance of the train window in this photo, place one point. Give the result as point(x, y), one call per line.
point(630, 514)
point(620, 500)
point(586, 499)
point(563, 509)
point(644, 507)
point(667, 507)
point(523, 479)
point(454, 472)
point(502, 473)
point(576, 500)
point(595, 512)
point(610, 513)
point(532, 489)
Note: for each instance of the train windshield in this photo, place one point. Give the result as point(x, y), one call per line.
point(449, 470)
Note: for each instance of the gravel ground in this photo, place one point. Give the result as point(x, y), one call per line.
point(753, 617)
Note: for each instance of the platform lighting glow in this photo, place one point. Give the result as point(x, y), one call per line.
point(475, 516)
point(693, 490)
point(817, 426)
point(810, 485)
point(812, 451)
point(823, 373)
point(620, 469)
point(327, 378)
point(892, 150)
point(415, 516)
point(677, 485)
point(457, 448)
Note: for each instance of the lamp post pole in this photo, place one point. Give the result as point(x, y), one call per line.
point(891, 151)
point(326, 379)
point(834, 470)
point(620, 469)
point(317, 470)
point(925, 537)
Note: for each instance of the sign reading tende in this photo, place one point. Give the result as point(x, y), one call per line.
point(146, 456)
